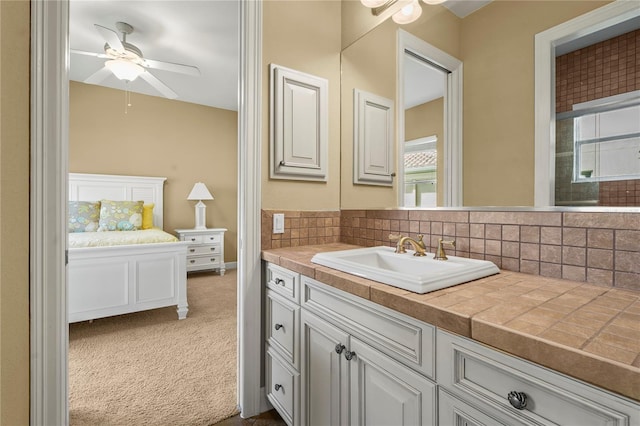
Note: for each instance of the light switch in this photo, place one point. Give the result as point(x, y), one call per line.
point(278, 223)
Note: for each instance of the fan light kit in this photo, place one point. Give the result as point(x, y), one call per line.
point(409, 12)
point(126, 62)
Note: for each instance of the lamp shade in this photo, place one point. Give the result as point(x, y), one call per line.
point(123, 69)
point(200, 192)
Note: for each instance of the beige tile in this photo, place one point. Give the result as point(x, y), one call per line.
point(475, 305)
point(629, 333)
point(530, 234)
point(493, 247)
point(600, 238)
point(575, 273)
point(476, 230)
point(627, 240)
point(629, 344)
point(511, 249)
point(530, 267)
point(627, 320)
point(349, 283)
point(575, 256)
point(530, 251)
point(630, 221)
point(599, 258)
point(439, 216)
point(476, 245)
point(493, 232)
point(569, 328)
point(541, 295)
point(553, 270)
point(511, 233)
point(575, 237)
point(605, 350)
point(562, 338)
point(627, 280)
point(525, 327)
point(502, 314)
point(627, 261)
point(551, 235)
point(550, 254)
point(541, 316)
point(516, 218)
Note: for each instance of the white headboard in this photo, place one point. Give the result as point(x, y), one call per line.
point(91, 187)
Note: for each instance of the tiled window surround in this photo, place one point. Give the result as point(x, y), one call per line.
point(598, 248)
point(603, 69)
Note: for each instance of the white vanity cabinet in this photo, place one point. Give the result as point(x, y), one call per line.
point(333, 358)
point(482, 386)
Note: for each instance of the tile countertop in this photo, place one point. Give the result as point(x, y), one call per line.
point(585, 331)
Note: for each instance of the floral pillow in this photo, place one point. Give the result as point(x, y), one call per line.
point(120, 215)
point(84, 216)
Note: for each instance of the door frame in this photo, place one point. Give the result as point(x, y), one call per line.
point(49, 134)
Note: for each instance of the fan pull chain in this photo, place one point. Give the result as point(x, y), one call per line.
point(127, 97)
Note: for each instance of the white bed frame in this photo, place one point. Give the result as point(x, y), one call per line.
point(106, 281)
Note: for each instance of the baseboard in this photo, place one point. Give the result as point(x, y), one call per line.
point(231, 265)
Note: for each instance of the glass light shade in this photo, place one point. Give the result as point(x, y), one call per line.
point(407, 14)
point(200, 192)
point(373, 3)
point(433, 2)
point(123, 69)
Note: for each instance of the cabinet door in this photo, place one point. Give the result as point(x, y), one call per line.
point(385, 392)
point(324, 373)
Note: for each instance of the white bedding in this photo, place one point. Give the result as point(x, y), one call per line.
point(118, 238)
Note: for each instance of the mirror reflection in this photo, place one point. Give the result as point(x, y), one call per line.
point(499, 166)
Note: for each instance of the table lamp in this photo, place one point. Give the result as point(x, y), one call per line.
point(200, 192)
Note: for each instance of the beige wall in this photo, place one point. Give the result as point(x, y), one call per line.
point(14, 212)
point(184, 142)
point(428, 120)
point(498, 54)
point(305, 36)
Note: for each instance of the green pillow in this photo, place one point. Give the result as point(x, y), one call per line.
point(120, 215)
point(84, 216)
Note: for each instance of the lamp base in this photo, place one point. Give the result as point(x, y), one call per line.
point(201, 215)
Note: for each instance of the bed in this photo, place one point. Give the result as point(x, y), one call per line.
point(131, 276)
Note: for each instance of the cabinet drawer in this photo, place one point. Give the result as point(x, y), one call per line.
point(453, 411)
point(203, 261)
point(203, 239)
point(401, 337)
point(282, 326)
point(477, 372)
point(284, 282)
point(282, 383)
point(203, 249)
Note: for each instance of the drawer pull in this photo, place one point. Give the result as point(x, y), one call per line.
point(212, 249)
point(193, 239)
point(348, 355)
point(278, 326)
point(277, 387)
point(339, 348)
point(192, 261)
point(192, 250)
point(517, 400)
point(279, 281)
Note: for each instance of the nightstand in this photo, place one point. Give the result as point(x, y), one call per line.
point(206, 251)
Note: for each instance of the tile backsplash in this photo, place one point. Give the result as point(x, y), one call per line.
point(598, 248)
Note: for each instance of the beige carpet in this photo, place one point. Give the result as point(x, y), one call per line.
point(148, 368)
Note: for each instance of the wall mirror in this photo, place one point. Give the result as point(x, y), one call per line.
point(368, 63)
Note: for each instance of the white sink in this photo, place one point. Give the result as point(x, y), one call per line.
point(417, 274)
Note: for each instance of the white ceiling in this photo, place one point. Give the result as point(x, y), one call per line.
point(204, 34)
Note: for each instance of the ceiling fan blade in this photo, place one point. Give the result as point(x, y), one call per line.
point(83, 52)
point(158, 85)
point(111, 37)
point(169, 66)
point(98, 76)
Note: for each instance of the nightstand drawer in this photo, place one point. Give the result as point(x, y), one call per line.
point(203, 261)
point(204, 249)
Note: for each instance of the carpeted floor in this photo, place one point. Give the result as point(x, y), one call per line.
point(148, 368)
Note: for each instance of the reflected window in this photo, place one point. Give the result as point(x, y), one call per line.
point(420, 172)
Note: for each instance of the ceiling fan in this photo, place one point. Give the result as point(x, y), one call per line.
point(127, 63)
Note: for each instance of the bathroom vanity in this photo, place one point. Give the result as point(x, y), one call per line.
point(339, 350)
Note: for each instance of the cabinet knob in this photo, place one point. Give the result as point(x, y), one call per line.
point(349, 355)
point(279, 281)
point(192, 261)
point(192, 250)
point(339, 348)
point(278, 326)
point(517, 400)
point(277, 387)
point(193, 239)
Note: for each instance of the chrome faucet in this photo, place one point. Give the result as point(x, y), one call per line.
point(440, 254)
point(418, 245)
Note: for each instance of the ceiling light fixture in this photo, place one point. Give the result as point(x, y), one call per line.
point(408, 13)
point(124, 69)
